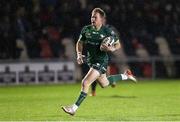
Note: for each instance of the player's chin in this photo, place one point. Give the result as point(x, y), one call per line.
point(93, 23)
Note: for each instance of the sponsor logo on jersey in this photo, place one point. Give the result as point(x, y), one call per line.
point(92, 43)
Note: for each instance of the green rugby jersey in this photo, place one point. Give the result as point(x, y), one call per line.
point(92, 39)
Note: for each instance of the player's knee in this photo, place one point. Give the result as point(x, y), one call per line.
point(85, 84)
point(104, 85)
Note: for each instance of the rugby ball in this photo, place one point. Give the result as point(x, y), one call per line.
point(109, 41)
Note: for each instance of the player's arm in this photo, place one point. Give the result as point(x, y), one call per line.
point(79, 49)
point(117, 45)
point(114, 47)
point(79, 46)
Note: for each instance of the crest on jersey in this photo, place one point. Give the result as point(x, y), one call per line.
point(95, 32)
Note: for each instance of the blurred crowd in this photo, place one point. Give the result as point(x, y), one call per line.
point(32, 29)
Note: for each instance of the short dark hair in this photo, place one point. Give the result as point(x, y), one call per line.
point(100, 11)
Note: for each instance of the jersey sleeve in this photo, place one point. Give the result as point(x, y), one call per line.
point(112, 33)
point(82, 36)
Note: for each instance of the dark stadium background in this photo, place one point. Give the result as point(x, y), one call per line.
point(47, 30)
point(39, 73)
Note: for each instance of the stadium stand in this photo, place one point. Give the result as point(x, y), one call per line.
point(46, 28)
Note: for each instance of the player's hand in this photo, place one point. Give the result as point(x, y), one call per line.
point(107, 48)
point(80, 58)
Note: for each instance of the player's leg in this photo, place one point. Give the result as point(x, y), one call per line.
point(93, 88)
point(90, 77)
point(108, 73)
point(94, 84)
point(125, 76)
point(105, 81)
point(112, 78)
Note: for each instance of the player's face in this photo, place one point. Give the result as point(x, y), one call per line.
point(96, 19)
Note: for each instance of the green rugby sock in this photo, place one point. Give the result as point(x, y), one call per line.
point(80, 99)
point(114, 78)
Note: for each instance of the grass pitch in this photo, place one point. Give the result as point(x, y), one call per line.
point(146, 100)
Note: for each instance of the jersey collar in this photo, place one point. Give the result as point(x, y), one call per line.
point(96, 29)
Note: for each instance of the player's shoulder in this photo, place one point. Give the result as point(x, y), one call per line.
point(108, 29)
point(87, 27)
